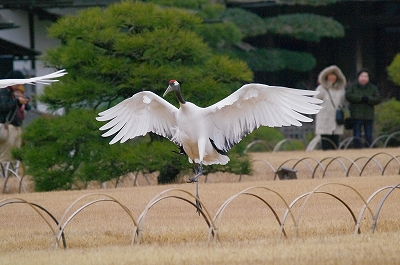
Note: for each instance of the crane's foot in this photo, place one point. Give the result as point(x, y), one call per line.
point(194, 179)
point(199, 207)
point(198, 173)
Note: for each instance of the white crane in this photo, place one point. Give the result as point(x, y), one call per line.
point(206, 134)
point(45, 79)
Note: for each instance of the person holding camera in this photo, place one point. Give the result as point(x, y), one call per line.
point(19, 92)
point(13, 104)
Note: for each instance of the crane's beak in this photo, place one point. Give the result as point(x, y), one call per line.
point(169, 89)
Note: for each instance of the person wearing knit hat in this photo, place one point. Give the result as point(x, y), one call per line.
point(363, 96)
point(20, 88)
point(13, 103)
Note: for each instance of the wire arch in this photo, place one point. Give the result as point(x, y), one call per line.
point(337, 158)
point(387, 164)
point(220, 211)
point(264, 143)
point(308, 196)
point(375, 220)
point(372, 158)
point(10, 168)
point(203, 211)
point(301, 160)
point(62, 224)
point(322, 192)
point(35, 207)
point(264, 161)
point(377, 139)
point(390, 137)
point(330, 141)
point(346, 142)
point(359, 158)
point(281, 142)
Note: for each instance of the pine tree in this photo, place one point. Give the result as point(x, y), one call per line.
point(111, 54)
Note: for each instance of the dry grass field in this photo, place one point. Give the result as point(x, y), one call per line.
point(321, 229)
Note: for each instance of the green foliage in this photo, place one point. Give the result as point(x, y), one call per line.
point(394, 70)
point(272, 60)
point(111, 54)
point(189, 4)
point(211, 11)
point(220, 35)
point(267, 135)
point(308, 27)
point(384, 110)
point(141, 52)
point(225, 28)
point(306, 2)
point(249, 23)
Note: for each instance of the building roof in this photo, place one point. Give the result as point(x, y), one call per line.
point(16, 50)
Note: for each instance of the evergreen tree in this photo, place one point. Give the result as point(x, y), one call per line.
point(394, 70)
point(111, 54)
point(227, 29)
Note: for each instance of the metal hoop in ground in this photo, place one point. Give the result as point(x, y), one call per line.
point(159, 197)
point(218, 215)
point(337, 158)
point(62, 224)
point(35, 207)
point(308, 196)
point(375, 220)
point(5, 170)
point(265, 162)
point(380, 166)
point(264, 143)
point(302, 160)
point(390, 137)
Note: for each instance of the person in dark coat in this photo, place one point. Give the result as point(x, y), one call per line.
point(10, 107)
point(362, 96)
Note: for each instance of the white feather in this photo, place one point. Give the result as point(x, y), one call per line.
point(142, 113)
point(255, 105)
point(45, 79)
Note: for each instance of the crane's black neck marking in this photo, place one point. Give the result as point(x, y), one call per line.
point(179, 96)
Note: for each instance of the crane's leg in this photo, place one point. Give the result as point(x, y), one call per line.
point(198, 172)
point(198, 204)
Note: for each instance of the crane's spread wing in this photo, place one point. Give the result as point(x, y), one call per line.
point(45, 79)
point(142, 113)
point(255, 105)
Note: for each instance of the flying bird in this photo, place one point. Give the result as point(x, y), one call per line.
point(206, 134)
point(45, 79)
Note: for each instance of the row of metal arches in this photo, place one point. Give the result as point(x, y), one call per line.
point(57, 227)
point(347, 164)
point(288, 143)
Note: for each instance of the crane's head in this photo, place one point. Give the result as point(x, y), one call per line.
point(173, 85)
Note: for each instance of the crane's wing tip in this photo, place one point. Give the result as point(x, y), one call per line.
point(113, 141)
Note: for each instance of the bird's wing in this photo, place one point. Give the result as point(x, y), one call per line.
point(142, 113)
point(45, 79)
point(255, 105)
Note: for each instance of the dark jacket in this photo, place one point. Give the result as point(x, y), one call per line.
point(10, 107)
point(8, 104)
point(362, 99)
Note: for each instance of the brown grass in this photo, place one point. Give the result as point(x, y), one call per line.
point(248, 232)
